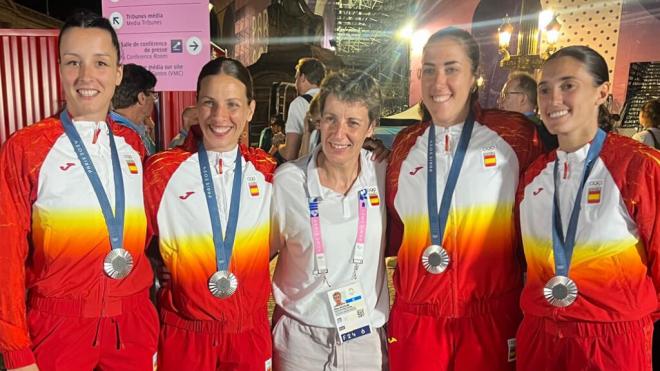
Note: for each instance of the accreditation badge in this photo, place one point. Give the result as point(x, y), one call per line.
point(349, 309)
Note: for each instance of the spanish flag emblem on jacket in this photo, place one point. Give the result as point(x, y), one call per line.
point(593, 195)
point(374, 200)
point(132, 166)
point(490, 159)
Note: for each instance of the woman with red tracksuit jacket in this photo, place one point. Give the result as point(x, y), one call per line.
point(451, 186)
point(74, 274)
point(588, 216)
point(209, 202)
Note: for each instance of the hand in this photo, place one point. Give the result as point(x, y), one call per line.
point(189, 117)
point(150, 125)
point(278, 139)
point(378, 149)
point(32, 367)
point(164, 276)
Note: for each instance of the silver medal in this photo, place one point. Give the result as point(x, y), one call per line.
point(435, 259)
point(118, 263)
point(560, 291)
point(223, 284)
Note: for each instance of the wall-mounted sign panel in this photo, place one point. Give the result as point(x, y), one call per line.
point(168, 37)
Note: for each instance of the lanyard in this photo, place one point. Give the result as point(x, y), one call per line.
point(317, 239)
point(563, 246)
point(114, 223)
point(223, 246)
point(438, 220)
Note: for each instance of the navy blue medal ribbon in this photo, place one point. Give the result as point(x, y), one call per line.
point(562, 245)
point(114, 222)
point(223, 246)
point(438, 219)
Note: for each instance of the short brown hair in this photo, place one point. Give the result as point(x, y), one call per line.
point(312, 68)
point(526, 83)
point(353, 87)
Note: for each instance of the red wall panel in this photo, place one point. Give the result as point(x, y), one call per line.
point(29, 78)
point(172, 104)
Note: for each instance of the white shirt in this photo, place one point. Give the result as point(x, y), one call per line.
point(300, 293)
point(295, 120)
point(223, 167)
point(646, 138)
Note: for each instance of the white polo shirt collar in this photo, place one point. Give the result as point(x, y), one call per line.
point(316, 190)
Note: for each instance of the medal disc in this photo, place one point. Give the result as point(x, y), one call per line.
point(435, 259)
point(223, 284)
point(560, 291)
point(118, 263)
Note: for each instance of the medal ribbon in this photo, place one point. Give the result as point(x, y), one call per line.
point(438, 220)
point(114, 222)
point(317, 239)
point(562, 246)
point(223, 246)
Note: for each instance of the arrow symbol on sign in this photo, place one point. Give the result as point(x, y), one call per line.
point(115, 20)
point(194, 45)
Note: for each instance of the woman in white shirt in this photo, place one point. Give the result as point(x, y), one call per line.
point(330, 285)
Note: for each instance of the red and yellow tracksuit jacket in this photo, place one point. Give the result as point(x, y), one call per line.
point(178, 214)
point(54, 234)
point(480, 236)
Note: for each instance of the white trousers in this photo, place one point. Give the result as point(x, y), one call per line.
point(298, 347)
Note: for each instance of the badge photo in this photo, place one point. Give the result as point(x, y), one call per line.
point(349, 310)
point(489, 157)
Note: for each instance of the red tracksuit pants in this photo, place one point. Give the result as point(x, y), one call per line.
point(545, 344)
point(214, 345)
point(420, 340)
point(65, 335)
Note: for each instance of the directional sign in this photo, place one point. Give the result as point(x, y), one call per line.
point(168, 37)
point(116, 20)
point(194, 45)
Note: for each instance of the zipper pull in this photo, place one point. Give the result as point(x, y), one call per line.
point(218, 167)
point(97, 131)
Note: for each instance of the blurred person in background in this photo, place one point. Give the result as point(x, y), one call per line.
point(649, 120)
point(134, 101)
point(519, 95)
